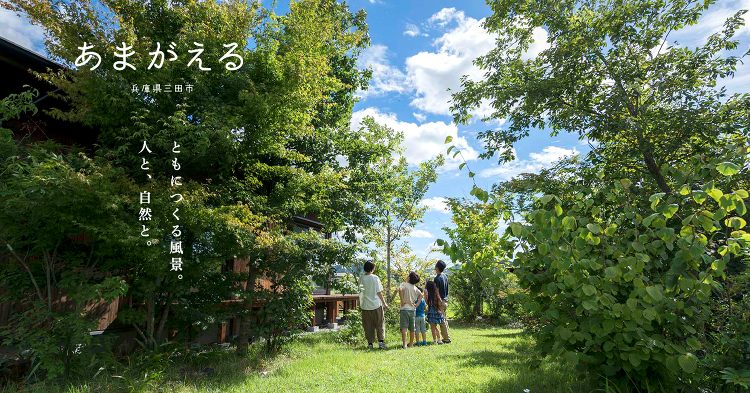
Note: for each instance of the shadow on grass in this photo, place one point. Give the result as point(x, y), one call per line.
point(515, 371)
point(503, 335)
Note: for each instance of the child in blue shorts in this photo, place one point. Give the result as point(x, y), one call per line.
point(419, 322)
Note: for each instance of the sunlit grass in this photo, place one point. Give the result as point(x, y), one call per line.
point(480, 359)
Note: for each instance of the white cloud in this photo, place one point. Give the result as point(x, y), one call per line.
point(385, 77)
point(536, 162)
point(432, 73)
point(435, 204)
point(420, 233)
point(420, 117)
point(20, 30)
point(551, 154)
point(422, 141)
point(712, 21)
point(412, 30)
point(446, 15)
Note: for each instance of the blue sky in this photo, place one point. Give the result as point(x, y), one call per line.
point(421, 48)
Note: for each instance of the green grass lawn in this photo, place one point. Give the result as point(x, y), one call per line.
point(480, 359)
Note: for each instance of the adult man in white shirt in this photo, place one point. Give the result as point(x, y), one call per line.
point(373, 318)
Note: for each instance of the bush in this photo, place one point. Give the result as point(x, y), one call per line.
point(623, 289)
point(469, 293)
point(726, 363)
point(351, 333)
point(502, 308)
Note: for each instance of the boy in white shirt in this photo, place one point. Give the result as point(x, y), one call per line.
point(373, 318)
point(409, 295)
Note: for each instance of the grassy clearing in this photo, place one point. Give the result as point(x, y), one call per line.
point(481, 359)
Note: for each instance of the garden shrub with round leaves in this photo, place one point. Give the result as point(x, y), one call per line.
point(623, 289)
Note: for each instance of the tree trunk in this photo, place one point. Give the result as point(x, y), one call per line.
point(479, 303)
point(653, 169)
point(388, 263)
point(150, 321)
point(247, 305)
point(164, 315)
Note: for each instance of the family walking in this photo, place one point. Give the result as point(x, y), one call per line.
point(414, 301)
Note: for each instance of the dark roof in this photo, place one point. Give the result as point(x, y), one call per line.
point(16, 62)
point(23, 58)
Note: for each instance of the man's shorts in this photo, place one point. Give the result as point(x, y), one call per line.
point(407, 320)
point(420, 325)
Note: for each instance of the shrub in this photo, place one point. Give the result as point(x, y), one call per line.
point(351, 333)
point(726, 362)
point(624, 289)
point(468, 294)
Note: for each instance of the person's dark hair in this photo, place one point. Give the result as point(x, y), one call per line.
point(369, 267)
point(433, 297)
point(440, 265)
point(413, 278)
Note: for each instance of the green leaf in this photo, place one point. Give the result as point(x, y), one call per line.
point(611, 229)
point(463, 164)
point(569, 223)
point(516, 229)
point(741, 193)
point(647, 221)
point(715, 193)
point(635, 360)
point(450, 148)
point(448, 139)
point(699, 196)
point(589, 289)
point(654, 292)
point(656, 197)
point(545, 199)
point(571, 358)
point(695, 344)
point(735, 222)
point(543, 248)
point(728, 168)
point(741, 209)
point(670, 210)
point(565, 333)
point(688, 362)
point(471, 174)
point(626, 183)
point(558, 210)
point(611, 272)
point(672, 364)
point(594, 228)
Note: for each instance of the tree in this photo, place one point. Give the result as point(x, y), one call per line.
point(260, 143)
point(396, 206)
point(48, 197)
point(622, 255)
point(477, 247)
point(611, 76)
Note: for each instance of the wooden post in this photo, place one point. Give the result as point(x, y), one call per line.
point(222, 333)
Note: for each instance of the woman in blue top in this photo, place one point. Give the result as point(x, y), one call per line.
point(419, 320)
point(434, 316)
